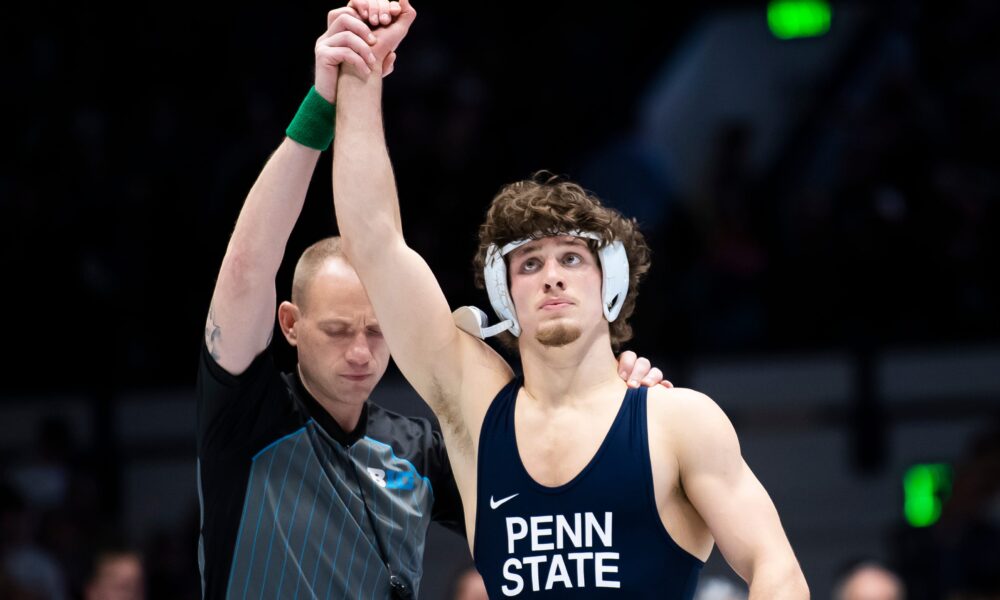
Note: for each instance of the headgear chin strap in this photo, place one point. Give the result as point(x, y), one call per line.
point(614, 288)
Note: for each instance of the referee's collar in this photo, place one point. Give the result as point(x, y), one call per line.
point(319, 414)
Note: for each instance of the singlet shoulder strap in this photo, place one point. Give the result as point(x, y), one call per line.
point(504, 400)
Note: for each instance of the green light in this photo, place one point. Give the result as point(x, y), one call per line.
point(925, 488)
point(789, 19)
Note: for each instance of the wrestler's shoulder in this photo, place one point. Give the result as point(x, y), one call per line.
point(678, 397)
point(682, 405)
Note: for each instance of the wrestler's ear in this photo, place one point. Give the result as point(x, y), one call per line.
point(288, 317)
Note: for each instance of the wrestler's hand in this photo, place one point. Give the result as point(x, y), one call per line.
point(393, 20)
point(637, 371)
point(376, 12)
point(347, 39)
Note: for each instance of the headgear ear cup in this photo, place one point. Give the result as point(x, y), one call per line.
point(495, 276)
point(614, 266)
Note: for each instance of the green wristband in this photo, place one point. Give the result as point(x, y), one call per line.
point(313, 123)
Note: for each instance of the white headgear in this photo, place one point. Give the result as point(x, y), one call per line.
point(614, 288)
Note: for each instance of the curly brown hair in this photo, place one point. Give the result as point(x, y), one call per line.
point(548, 205)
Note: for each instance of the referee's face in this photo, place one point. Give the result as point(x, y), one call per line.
point(342, 353)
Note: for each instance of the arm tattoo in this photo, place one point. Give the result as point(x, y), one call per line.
point(212, 333)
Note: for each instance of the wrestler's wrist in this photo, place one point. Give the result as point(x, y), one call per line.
point(312, 125)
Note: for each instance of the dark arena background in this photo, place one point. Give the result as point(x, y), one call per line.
point(819, 182)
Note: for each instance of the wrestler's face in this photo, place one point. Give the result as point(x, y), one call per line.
point(342, 353)
point(555, 283)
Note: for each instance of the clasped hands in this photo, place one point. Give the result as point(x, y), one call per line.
point(361, 37)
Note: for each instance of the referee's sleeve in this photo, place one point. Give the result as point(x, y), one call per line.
point(234, 410)
point(447, 509)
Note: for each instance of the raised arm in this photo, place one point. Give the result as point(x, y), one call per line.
point(241, 316)
point(738, 511)
point(413, 313)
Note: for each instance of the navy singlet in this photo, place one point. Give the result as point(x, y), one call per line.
point(597, 536)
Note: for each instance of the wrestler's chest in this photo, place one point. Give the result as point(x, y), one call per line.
point(554, 450)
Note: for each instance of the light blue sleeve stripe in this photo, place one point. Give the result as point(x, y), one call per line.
point(344, 506)
point(277, 510)
point(364, 574)
point(239, 536)
point(322, 542)
point(381, 567)
point(365, 507)
point(305, 538)
point(354, 552)
point(333, 564)
point(260, 514)
point(279, 440)
point(291, 520)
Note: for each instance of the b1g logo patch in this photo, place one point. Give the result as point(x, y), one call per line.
point(393, 480)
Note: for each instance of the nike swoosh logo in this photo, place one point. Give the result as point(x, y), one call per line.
point(495, 504)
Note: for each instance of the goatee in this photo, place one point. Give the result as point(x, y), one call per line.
point(557, 335)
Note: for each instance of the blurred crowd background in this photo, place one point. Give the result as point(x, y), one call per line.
point(832, 198)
